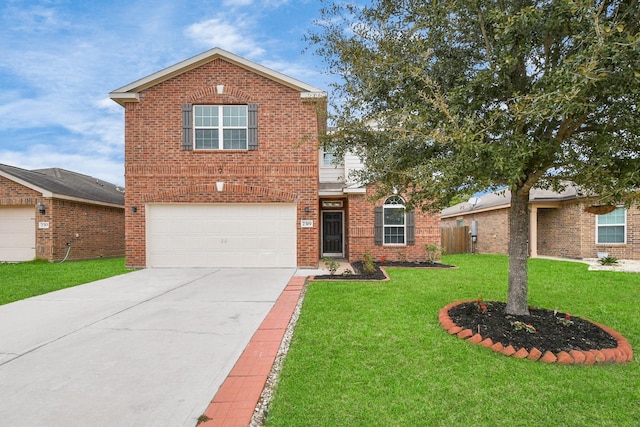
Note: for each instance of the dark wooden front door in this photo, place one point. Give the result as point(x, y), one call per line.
point(332, 233)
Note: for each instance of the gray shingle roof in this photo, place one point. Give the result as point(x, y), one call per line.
point(62, 182)
point(502, 199)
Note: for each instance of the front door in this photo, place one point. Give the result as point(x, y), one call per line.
point(332, 233)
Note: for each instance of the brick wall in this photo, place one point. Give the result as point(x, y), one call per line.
point(559, 231)
point(628, 250)
point(360, 233)
point(92, 231)
point(283, 169)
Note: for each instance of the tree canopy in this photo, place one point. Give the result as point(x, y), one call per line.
point(442, 97)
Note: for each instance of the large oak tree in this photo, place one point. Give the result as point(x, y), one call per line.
point(442, 97)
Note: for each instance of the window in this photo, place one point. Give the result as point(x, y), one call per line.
point(393, 221)
point(328, 157)
point(612, 227)
point(220, 127)
point(393, 225)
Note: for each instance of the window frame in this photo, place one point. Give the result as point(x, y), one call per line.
point(398, 203)
point(327, 158)
point(623, 224)
point(221, 127)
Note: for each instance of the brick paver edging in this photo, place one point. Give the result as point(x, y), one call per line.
point(621, 354)
point(235, 402)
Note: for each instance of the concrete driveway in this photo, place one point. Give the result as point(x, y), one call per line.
point(148, 348)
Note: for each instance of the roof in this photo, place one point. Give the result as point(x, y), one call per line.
point(64, 184)
point(130, 92)
point(502, 199)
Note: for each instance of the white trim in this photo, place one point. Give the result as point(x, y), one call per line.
point(129, 93)
point(404, 221)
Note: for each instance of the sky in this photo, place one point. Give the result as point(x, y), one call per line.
point(61, 58)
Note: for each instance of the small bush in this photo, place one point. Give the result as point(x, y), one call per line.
point(608, 260)
point(369, 266)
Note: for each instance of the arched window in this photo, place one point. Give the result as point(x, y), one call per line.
point(394, 224)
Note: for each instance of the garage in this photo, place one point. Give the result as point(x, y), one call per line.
point(18, 231)
point(221, 235)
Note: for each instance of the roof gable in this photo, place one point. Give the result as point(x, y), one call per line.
point(61, 183)
point(130, 92)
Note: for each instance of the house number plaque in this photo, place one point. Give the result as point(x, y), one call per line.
point(306, 223)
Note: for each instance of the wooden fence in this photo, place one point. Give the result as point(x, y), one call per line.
point(455, 240)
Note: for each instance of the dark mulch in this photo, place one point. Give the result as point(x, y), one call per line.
point(360, 274)
point(553, 332)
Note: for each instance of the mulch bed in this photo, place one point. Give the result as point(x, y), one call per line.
point(542, 335)
point(360, 274)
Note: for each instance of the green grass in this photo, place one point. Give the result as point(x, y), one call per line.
point(374, 354)
point(28, 279)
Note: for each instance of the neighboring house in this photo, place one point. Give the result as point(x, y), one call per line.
point(222, 168)
point(559, 225)
point(56, 214)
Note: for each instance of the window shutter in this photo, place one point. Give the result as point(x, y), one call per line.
point(377, 226)
point(411, 228)
point(187, 127)
point(252, 128)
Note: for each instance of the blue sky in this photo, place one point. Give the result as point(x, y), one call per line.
point(61, 58)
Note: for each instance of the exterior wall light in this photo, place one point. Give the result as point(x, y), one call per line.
point(40, 207)
point(134, 209)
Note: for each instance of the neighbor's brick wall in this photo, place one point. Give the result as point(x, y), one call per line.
point(493, 229)
point(629, 250)
point(567, 232)
point(559, 231)
point(283, 169)
point(360, 233)
point(92, 231)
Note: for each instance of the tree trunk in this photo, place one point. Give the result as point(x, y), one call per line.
point(517, 299)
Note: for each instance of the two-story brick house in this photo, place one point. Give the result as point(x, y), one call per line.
point(222, 169)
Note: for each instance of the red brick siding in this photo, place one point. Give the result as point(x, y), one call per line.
point(559, 231)
point(100, 229)
point(629, 250)
point(360, 233)
point(283, 169)
point(92, 231)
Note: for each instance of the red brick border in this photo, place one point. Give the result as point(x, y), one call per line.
point(236, 400)
point(621, 354)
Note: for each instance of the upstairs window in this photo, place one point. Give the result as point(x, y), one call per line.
point(612, 227)
point(329, 158)
point(220, 127)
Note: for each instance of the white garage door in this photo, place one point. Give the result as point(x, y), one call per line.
point(221, 235)
point(17, 234)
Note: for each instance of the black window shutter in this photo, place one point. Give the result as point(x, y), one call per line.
point(252, 129)
point(411, 228)
point(377, 226)
point(187, 127)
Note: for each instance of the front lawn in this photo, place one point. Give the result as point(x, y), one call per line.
point(28, 279)
point(374, 354)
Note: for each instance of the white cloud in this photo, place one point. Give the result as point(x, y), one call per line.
point(232, 36)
